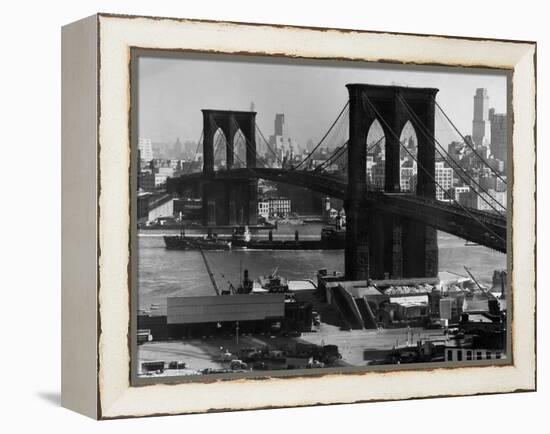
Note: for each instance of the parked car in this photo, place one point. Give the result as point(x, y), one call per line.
point(315, 364)
point(176, 365)
point(226, 357)
point(434, 324)
point(238, 364)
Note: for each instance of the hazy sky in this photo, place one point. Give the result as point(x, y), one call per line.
point(173, 90)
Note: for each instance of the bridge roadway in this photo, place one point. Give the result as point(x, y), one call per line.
point(480, 227)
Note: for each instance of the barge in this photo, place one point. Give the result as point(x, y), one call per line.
point(183, 242)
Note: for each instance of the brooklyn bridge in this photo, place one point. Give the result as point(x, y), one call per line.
point(389, 232)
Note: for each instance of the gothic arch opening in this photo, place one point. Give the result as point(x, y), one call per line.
point(239, 149)
point(220, 146)
point(408, 154)
point(376, 155)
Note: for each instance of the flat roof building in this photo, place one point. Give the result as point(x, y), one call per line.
point(220, 308)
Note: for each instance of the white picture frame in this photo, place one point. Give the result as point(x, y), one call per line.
point(96, 280)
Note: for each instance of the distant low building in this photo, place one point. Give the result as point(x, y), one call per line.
point(146, 181)
point(263, 209)
point(443, 179)
point(160, 180)
point(279, 206)
point(379, 174)
point(166, 171)
point(490, 201)
point(457, 191)
point(408, 171)
point(154, 206)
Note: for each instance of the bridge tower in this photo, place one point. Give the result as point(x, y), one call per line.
point(380, 245)
point(236, 202)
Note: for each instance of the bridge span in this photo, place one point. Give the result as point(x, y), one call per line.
point(459, 221)
point(388, 232)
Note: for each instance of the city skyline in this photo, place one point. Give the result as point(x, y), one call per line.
point(173, 90)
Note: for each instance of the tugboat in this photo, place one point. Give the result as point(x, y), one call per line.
point(334, 237)
point(208, 242)
point(241, 236)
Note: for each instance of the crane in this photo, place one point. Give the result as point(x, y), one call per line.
point(210, 273)
point(489, 294)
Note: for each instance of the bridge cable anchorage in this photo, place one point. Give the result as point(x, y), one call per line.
point(195, 154)
point(249, 146)
point(346, 106)
point(268, 146)
point(373, 108)
point(497, 174)
point(429, 136)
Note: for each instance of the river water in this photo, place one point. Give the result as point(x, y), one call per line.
point(163, 273)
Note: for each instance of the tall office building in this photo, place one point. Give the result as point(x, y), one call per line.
point(280, 124)
point(283, 145)
point(145, 147)
point(499, 136)
point(481, 128)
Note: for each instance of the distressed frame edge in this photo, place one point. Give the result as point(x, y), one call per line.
point(530, 50)
point(79, 222)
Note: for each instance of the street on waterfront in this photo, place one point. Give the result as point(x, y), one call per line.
point(201, 354)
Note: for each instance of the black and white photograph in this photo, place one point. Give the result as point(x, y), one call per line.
point(274, 216)
point(308, 216)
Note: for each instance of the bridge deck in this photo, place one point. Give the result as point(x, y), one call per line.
point(485, 228)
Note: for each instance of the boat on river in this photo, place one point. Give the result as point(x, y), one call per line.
point(183, 242)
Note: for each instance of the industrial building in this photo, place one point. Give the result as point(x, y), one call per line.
point(227, 315)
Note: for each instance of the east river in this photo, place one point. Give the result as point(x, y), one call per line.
point(163, 273)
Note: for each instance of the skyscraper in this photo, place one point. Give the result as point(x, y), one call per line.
point(279, 124)
point(282, 144)
point(481, 129)
point(499, 137)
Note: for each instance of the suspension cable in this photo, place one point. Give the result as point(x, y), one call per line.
point(335, 156)
point(366, 98)
point(218, 142)
point(428, 135)
point(325, 136)
point(267, 144)
point(235, 154)
point(469, 144)
point(337, 152)
point(340, 151)
point(247, 143)
point(195, 154)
